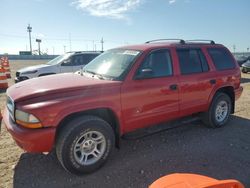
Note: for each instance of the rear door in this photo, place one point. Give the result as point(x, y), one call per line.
point(151, 96)
point(196, 80)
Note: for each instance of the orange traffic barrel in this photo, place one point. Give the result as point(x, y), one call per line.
point(5, 64)
point(3, 79)
point(193, 181)
point(1, 117)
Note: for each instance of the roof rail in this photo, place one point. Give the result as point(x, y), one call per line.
point(201, 40)
point(181, 41)
point(77, 52)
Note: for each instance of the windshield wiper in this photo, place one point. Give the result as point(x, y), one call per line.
point(100, 76)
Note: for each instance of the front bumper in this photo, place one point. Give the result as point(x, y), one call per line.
point(30, 140)
point(246, 69)
point(238, 92)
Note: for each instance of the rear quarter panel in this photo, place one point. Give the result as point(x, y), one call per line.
point(225, 78)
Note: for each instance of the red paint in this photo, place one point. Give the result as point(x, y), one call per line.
point(31, 140)
point(135, 103)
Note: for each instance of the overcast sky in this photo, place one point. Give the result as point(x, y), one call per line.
point(80, 24)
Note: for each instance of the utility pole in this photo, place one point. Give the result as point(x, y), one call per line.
point(64, 47)
point(102, 42)
point(234, 47)
point(69, 41)
point(29, 30)
point(39, 41)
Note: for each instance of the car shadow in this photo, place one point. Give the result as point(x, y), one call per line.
point(192, 148)
point(245, 80)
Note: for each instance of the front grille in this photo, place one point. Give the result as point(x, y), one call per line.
point(17, 74)
point(10, 106)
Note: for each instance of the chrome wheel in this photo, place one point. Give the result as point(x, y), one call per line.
point(221, 111)
point(89, 148)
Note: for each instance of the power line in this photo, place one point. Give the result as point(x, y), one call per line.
point(70, 41)
point(61, 39)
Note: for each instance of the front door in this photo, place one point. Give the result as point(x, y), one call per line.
point(66, 65)
point(152, 96)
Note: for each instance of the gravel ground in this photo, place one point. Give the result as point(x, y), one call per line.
point(191, 148)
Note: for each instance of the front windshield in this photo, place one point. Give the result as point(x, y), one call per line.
point(59, 59)
point(112, 63)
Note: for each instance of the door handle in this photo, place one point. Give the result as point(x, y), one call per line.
point(173, 87)
point(212, 81)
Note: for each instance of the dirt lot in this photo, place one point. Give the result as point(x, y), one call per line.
point(192, 148)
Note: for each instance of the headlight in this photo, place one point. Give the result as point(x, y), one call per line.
point(29, 72)
point(27, 120)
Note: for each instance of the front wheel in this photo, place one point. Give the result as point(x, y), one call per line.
point(84, 144)
point(219, 111)
point(244, 70)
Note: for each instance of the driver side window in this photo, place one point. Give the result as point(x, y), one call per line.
point(157, 64)
point(67, 62)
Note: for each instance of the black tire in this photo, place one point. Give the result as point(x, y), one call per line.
point(209, 117)
point(46, 74)
point(72, 132)
point(244, 70)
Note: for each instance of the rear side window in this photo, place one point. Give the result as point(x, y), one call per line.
point(192, 61)
point(221, 58)
point(77, 60)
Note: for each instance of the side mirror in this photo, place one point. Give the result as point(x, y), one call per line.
point(144, 73)
point(65, 62)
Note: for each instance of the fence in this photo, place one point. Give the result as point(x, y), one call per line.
point(29, 57)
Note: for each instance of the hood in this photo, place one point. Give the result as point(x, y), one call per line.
point(247, 64)
point(57, 83)
point(31, 68)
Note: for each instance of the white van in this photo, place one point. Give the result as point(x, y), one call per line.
point(69, 62)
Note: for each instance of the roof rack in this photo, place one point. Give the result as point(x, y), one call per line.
point(201, 40)
point(181, 41)
point(78, 52)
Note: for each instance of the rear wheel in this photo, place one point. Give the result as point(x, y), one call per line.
point(84, 144)
point(219, 111)
point(46, 74)
point(244, 70)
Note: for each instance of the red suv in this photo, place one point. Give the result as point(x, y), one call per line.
point(84, 115)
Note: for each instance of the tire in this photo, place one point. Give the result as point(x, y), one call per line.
point(77, 144)
point(244, 70)
point(210, 118)
point(46, 74)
